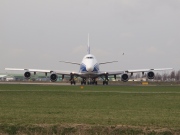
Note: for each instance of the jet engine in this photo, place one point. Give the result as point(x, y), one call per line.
point(150, 75)
point(27, 75)
point(53, 77)
point(124, 77)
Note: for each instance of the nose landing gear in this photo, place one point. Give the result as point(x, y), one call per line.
point(72, 79)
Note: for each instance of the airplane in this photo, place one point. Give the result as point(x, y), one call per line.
point(89, 71)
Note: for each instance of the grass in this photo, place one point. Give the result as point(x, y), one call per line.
point(23, 106)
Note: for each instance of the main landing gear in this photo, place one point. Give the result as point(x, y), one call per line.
point(83, 82)
point(72, 79)
point(105, 82)
point(90, 82)
point(73, 82)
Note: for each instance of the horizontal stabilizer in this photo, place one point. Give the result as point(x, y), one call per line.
point(107, 62)
point(70, 62)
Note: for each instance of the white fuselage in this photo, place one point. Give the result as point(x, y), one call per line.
point(89, 66)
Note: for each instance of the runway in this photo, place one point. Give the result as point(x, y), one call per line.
point(111, 83)
point(39, 83)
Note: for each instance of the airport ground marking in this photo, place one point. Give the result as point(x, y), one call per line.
point(121, 92)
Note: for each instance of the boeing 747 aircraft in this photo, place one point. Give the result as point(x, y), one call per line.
point(89, 71)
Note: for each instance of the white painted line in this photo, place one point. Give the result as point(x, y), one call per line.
point(84, 91)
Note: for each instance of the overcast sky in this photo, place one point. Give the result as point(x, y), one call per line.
point(39, 33)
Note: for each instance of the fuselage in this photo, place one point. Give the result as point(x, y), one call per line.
point(89, 65)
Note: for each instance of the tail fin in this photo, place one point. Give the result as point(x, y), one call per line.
point(88, 49)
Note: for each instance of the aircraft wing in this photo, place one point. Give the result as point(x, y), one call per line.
point(26, 69)
point(40, 70)
point(147, 70)
point(132, 71)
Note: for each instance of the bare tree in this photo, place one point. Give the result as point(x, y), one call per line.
point(172, 75)
point(177, 77)
point(164, 77)
point(137, 76)
point(158, 77)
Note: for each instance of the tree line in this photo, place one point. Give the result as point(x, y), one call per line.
point(171, 76)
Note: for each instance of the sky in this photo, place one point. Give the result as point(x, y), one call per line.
point(39, 33)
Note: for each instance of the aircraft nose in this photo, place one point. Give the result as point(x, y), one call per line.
point(89, 69)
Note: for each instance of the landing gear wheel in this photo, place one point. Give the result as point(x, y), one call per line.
point(105, 82)
point(73, 82)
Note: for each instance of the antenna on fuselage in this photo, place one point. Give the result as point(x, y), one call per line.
point(88, 49)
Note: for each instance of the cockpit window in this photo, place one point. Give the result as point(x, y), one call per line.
point(89, 57)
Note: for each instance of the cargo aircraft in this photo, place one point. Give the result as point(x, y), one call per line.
point(89, 71)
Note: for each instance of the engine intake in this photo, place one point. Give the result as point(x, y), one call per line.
point(27, 75)
point(53, 77)
point(124, 77)
point(150, 75)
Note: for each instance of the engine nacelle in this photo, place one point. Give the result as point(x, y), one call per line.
point(27, 75)
point(150, 75)
point(124, 77)
point(53, 77)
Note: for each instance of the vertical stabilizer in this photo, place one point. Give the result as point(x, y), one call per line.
point(88, 49)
